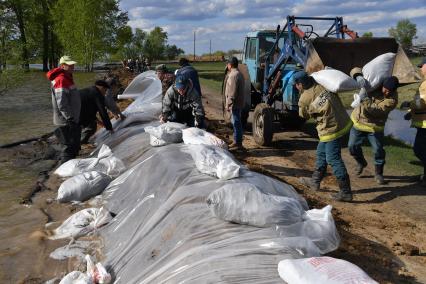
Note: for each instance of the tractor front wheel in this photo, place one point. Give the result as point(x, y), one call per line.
point(263, 118)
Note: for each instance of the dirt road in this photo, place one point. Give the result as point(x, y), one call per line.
point(383, 230)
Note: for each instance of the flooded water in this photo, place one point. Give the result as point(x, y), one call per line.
point(399, 128)
point(25, 112)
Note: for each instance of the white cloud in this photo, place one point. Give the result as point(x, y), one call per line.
point(226, 22)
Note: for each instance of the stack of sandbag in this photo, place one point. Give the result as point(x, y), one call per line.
point(322, 270)
point(214, 161)
point(334, 80)
point(105, 163)
point(167, 133)
point(245, 203)
point(197, 136)
point(82, 223)
point(88, 177)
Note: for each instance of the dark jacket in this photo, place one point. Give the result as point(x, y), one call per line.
point(92, 102)
point(173, 101)
point(65, 97)
point(189, 72)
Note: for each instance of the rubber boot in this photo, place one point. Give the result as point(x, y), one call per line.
point(315, 181)
point(345, 193)
point(361, 164)
point(378, 177)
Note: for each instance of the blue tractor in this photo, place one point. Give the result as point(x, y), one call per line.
point(271, 58)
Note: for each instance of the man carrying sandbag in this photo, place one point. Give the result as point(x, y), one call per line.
point(417, 114)
point(332, 124)
point(369, 117)
point(183, 104)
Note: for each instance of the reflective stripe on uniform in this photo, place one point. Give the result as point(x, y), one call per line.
point(338, 134)
point(419, 124)
point(366, 128)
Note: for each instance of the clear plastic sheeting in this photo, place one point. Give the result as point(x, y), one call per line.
point(145, 84)
point(163, 230)
point(245, 203)
point(198, 136)
point(214, 161)
point(318, 226)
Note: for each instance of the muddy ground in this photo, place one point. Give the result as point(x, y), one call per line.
point(383, 230)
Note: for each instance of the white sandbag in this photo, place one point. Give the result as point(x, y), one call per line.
point(197, 136)
point(214, 161)
point(322, 270)
point(82, 223)
point(318, 226)
point(105, 163)
point(76, 277)
point(170, 132)
point(97, 273)
point(378, 69)
point(83, 186)
point(334, 80)
point(76, 249)
point(244, 203)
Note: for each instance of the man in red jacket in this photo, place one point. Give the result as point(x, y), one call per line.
point(66, 105)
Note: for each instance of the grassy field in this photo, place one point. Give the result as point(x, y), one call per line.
point(399, 156)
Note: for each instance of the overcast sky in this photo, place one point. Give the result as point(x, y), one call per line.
point(226, 22)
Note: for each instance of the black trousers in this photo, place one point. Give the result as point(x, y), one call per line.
point(87, 131)
point(69, 137)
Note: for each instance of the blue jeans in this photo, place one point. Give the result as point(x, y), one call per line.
point(420, 146)
point(237, 125)
point(329, 153)
point(356, 138)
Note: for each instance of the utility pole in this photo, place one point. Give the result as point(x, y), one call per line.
point(194, 45)
point(210, 50)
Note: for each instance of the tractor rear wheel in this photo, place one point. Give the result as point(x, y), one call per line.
point(263, 118)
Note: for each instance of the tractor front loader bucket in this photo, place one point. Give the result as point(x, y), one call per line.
point(344, 54)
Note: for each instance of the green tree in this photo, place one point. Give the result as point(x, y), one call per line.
point(404, 33)
point(88, 29)
point(172, 52)
point(155, 44)
point(367, 34)
point(21, 10)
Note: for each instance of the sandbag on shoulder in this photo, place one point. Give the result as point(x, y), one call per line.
point(105, 163)
point(334, 80)
point(196, 136)
point(214, 161)
point(244, 203)
point(83, 186)
point(82, 223)
point(378, 69)
point(170, 132)
point(322, 270)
